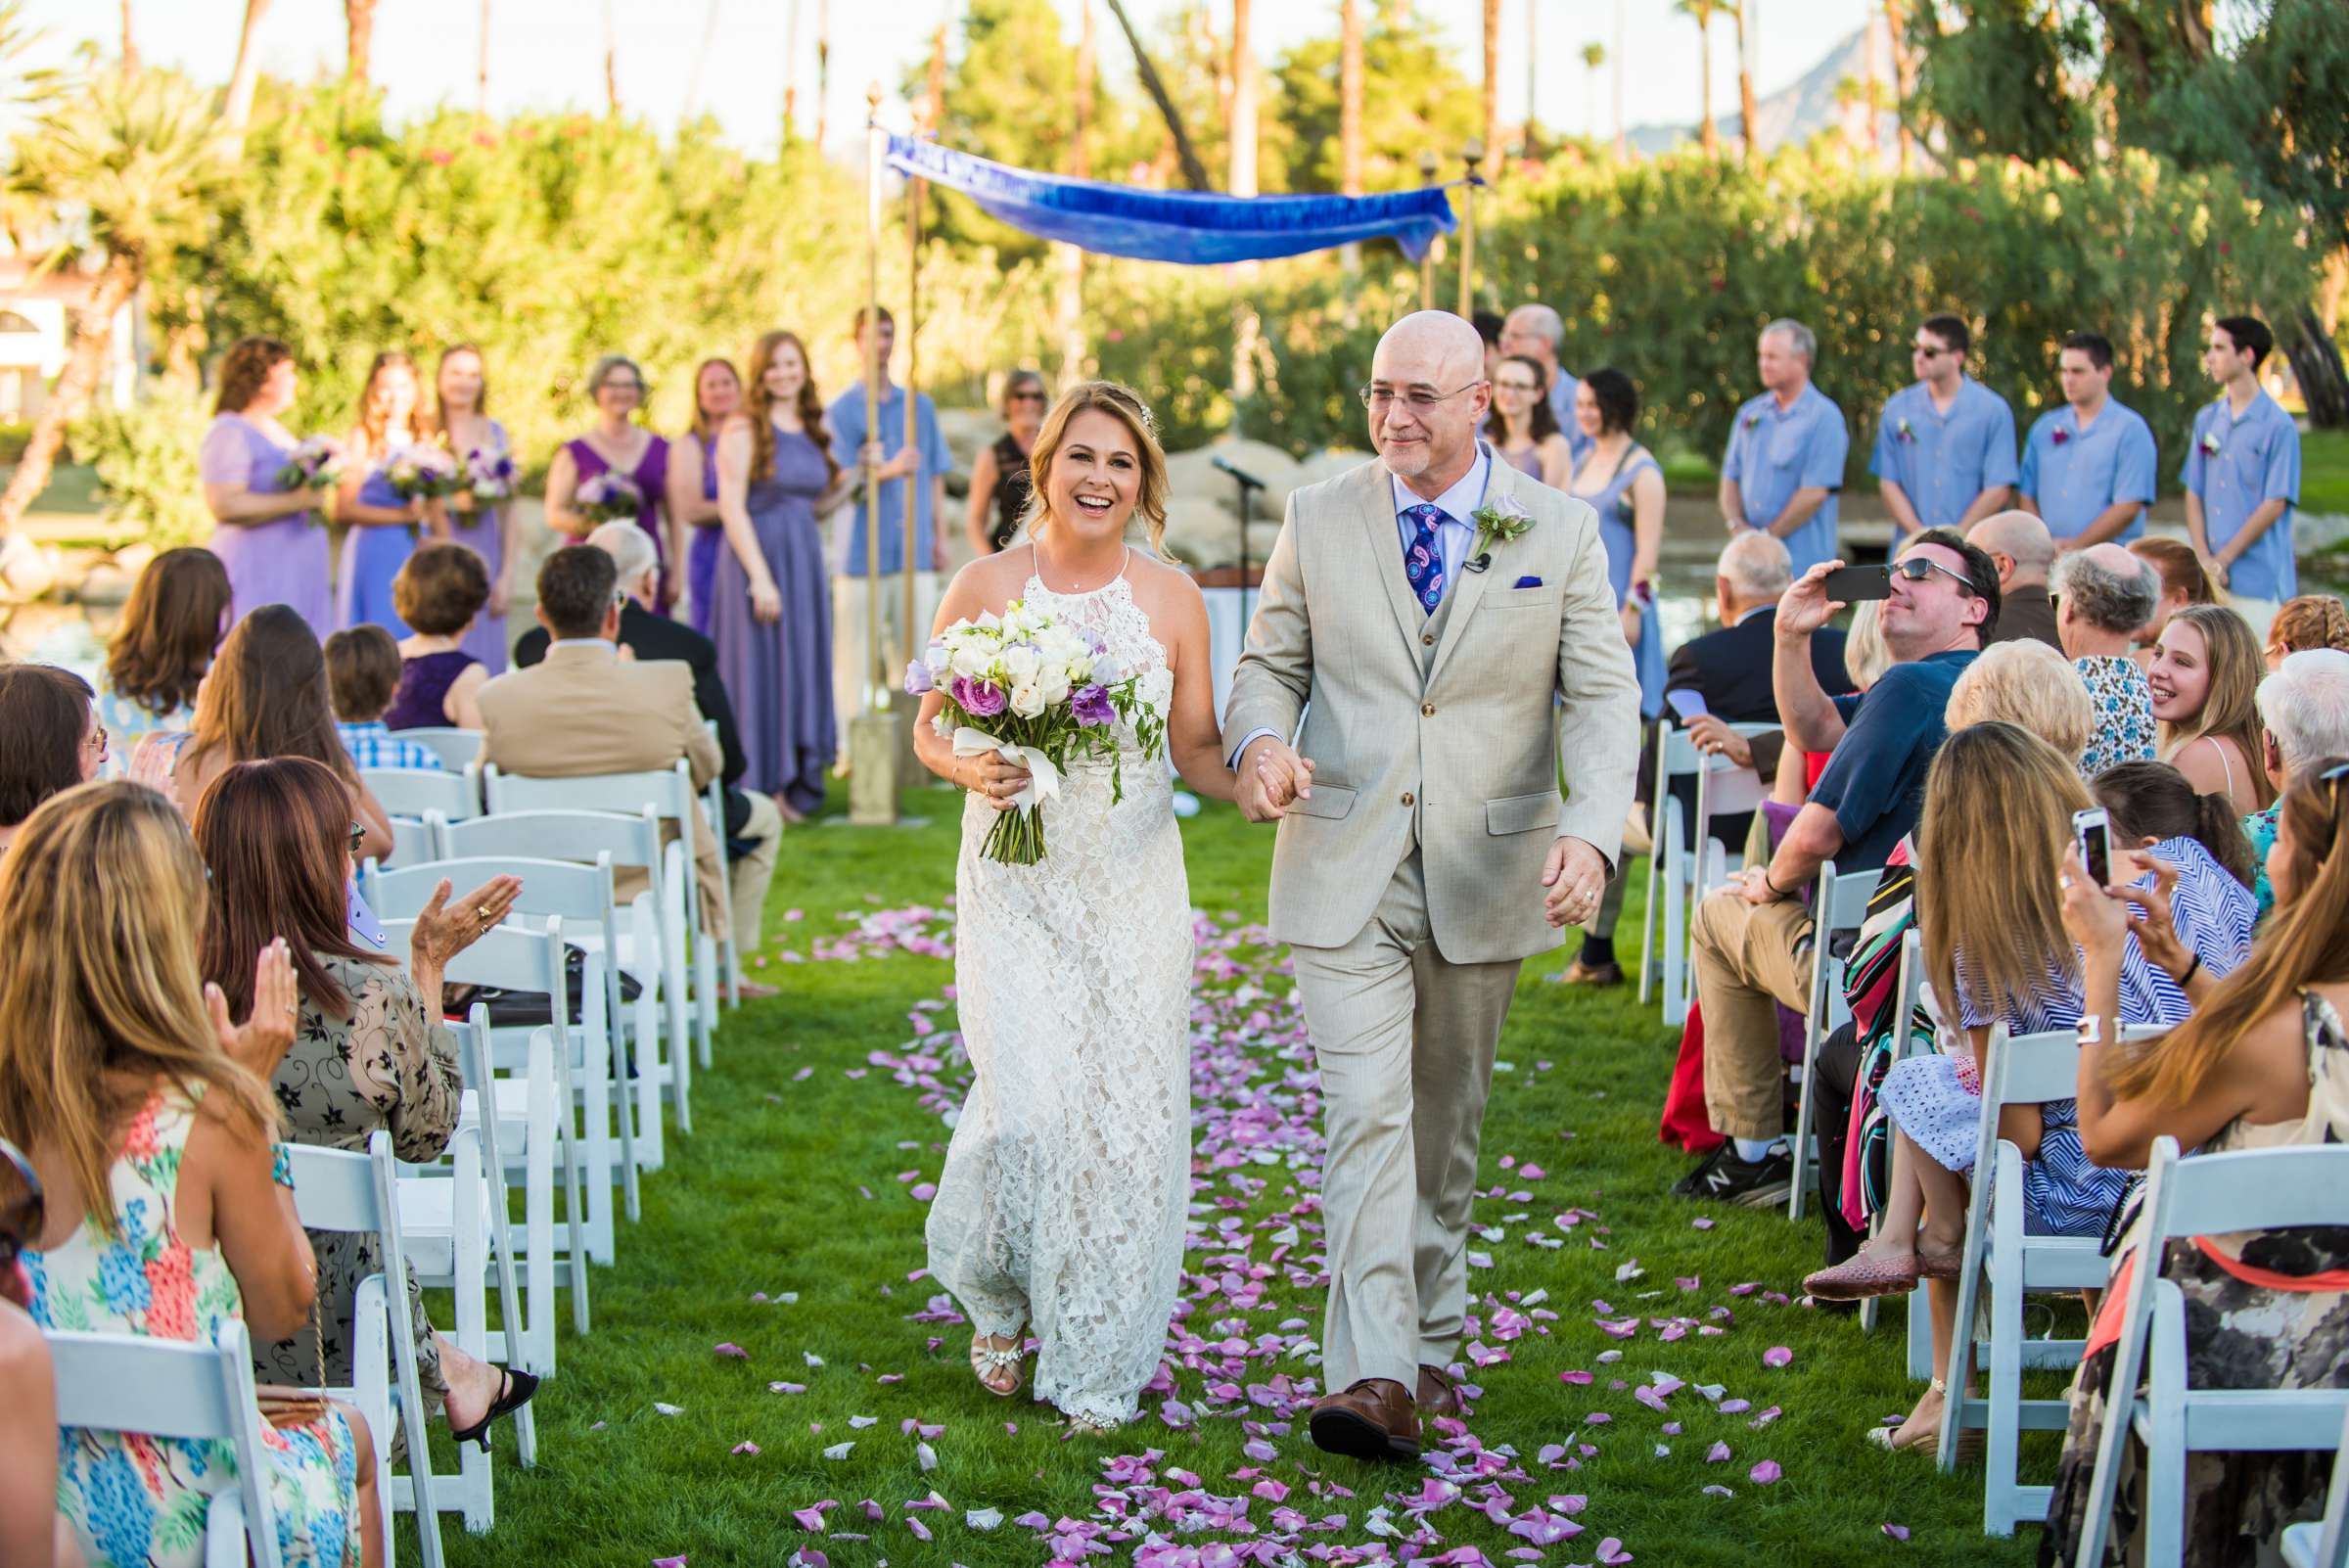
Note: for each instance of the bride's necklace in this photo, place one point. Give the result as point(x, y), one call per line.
point(1073, 590)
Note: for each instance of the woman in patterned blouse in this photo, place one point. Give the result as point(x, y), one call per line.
point(2106, 594)
point(369, 1050)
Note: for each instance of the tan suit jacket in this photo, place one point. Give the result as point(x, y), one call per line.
point(1449, 732)
point(583, 710)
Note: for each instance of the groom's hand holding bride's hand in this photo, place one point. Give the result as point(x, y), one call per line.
point(1270, 776)
point(1576, 875)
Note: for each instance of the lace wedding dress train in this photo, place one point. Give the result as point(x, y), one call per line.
point(1066, 1185)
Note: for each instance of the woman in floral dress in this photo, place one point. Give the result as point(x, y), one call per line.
point(171, 1212)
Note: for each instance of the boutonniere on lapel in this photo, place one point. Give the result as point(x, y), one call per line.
point(2060, 436)
point(1905, 433)
point(1753, 421)
point(1496, 523)
point(2210, 443)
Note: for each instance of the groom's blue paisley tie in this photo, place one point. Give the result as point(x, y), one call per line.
point(1422, 560)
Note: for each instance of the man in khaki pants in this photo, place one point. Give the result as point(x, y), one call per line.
point(1443, 627)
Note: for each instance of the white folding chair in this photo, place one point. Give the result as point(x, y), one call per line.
point(2208, 1195)
point(670, 792)
point(415, 839)
point(1838, 905)
point(2325, 1544)
point(456, 748)
point(413, 790)
point(1724, 789)
point(713, 804)
point(1907, 991)
point(579, 896)
point(2020, 1070)
point(517, 958)
point(1687, 860)
point(340, 1190)
point(649, 947)
point(171, 1389)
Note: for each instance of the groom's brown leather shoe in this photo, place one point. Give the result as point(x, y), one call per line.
point(1373, 1419)
point(1437, 1396)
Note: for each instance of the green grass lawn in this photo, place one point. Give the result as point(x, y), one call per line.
point(791, 1184)
point(2325, 470)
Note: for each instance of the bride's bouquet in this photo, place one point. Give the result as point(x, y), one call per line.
point(1043, 696)
point(422, 473)
point(608, 497)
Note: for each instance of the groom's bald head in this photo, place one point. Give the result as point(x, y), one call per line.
point(1427, 395)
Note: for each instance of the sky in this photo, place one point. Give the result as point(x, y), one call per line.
point(547, 54)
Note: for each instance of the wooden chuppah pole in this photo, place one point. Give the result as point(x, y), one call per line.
point(1475, 155)
point(1427, 257)
point(873, 732)
point(915, 482)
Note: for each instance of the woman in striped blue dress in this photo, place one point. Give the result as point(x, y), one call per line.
point(1998, 805)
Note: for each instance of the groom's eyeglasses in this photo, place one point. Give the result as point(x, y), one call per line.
point(1418, 397)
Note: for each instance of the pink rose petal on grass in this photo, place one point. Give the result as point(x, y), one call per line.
point(1765, 1473)
point(730, 1349)
point(1717, 1453)
point(668, 1562)
point(745, 1448)
point(1777, 1355)
point(1897, 1532)
point(1574, 1377)
point(1610, 1551)
point(1700, 1224)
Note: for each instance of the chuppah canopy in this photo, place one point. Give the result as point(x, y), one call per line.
point(1195, 227)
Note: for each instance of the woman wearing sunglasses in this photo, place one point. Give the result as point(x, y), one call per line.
point(369, 1051)
point(1000, 481)
point(2263, 1063)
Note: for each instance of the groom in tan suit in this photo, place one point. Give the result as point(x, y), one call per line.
point(1446, 678)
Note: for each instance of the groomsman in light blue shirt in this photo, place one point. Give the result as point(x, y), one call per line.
point(1785, 465)
point(1945, 446)
point(2243, 477)
point(1536, 330)
point(2088, 466)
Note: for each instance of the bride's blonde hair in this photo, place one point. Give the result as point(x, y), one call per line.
point(1122, 403)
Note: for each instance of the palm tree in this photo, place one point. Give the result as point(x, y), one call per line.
point(823, 71)
point(1532, 76)
point(1595, 55)
point(1701, 12)
point(791, 74)
point(1194, 172)
point(481, 72)
point(1491, 117)
point(1350, 97)
point(1903, 74)
point(1243, 100)
point(130, 45)
point(138, 158)
point(358, 22)
point(237, 110)
point(1745, 78)
point(611, 64)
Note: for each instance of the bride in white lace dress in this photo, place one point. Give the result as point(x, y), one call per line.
point(1062, 1205)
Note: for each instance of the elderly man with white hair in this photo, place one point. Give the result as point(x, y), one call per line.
point(2107, 595)
point(1784, 464)
point(2305, 706)
point(1536, 330)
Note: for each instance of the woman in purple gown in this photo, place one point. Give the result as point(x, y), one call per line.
point(382, 525)
point(271, 539)
point(617, 444)
point(693, 482)
point(461, 415)
point(771, 606)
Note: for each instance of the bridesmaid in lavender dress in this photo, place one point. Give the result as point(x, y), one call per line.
point(272, 542)
point(770, 605)
point(693, 482)
point(382, 527)
point(461, 415)
point(615, 443)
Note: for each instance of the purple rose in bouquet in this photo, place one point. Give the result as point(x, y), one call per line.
point(1092, 707)
point(608, 497)
point(979, 698)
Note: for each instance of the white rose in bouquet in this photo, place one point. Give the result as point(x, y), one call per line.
point(1027, 698)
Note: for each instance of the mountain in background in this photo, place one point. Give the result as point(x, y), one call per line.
point(1798, 113)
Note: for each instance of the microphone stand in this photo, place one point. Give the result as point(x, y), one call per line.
point(1248, 484)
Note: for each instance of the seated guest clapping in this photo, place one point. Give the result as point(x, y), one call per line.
point(1750, 940)
point(50, 739)
point(1997, 817)
point(149, 1122)
point(2264, 1063)
point(2305, 709)
point(362, 671)
point(370, 1051)
point(2107, 595)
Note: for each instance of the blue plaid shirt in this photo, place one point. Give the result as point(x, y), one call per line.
point(375, 746)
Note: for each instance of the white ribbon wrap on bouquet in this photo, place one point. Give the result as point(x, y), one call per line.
point(1043, 779)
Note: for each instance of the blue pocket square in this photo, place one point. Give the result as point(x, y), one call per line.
point(1527, 582)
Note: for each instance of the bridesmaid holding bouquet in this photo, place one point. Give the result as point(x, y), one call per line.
point(693, 482)
point(770, 607)
point(615, 445)
point(263, 499)
point(382, 523)
point(479, 518)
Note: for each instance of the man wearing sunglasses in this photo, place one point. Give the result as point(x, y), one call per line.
point(1945, 445)
point(1750, 941)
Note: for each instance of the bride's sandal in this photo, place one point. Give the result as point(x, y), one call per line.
point(990, 1360)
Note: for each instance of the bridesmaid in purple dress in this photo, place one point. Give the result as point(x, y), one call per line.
point(461, 415)
point(617, 444)
point(771, 606)
point(693, 482)
point(381, 526)
point(272, 542)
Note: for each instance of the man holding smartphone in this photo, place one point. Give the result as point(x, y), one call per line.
point(1751, 938)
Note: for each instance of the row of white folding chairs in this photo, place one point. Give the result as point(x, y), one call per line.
point(1685, 862)
point(194, 1392)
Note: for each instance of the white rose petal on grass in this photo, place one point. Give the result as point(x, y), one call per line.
point(1628, 1270)
point(838, 1451)
point(983, 1518)
point(668, 1409)
point(927, 1455)
point(812, 1357)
